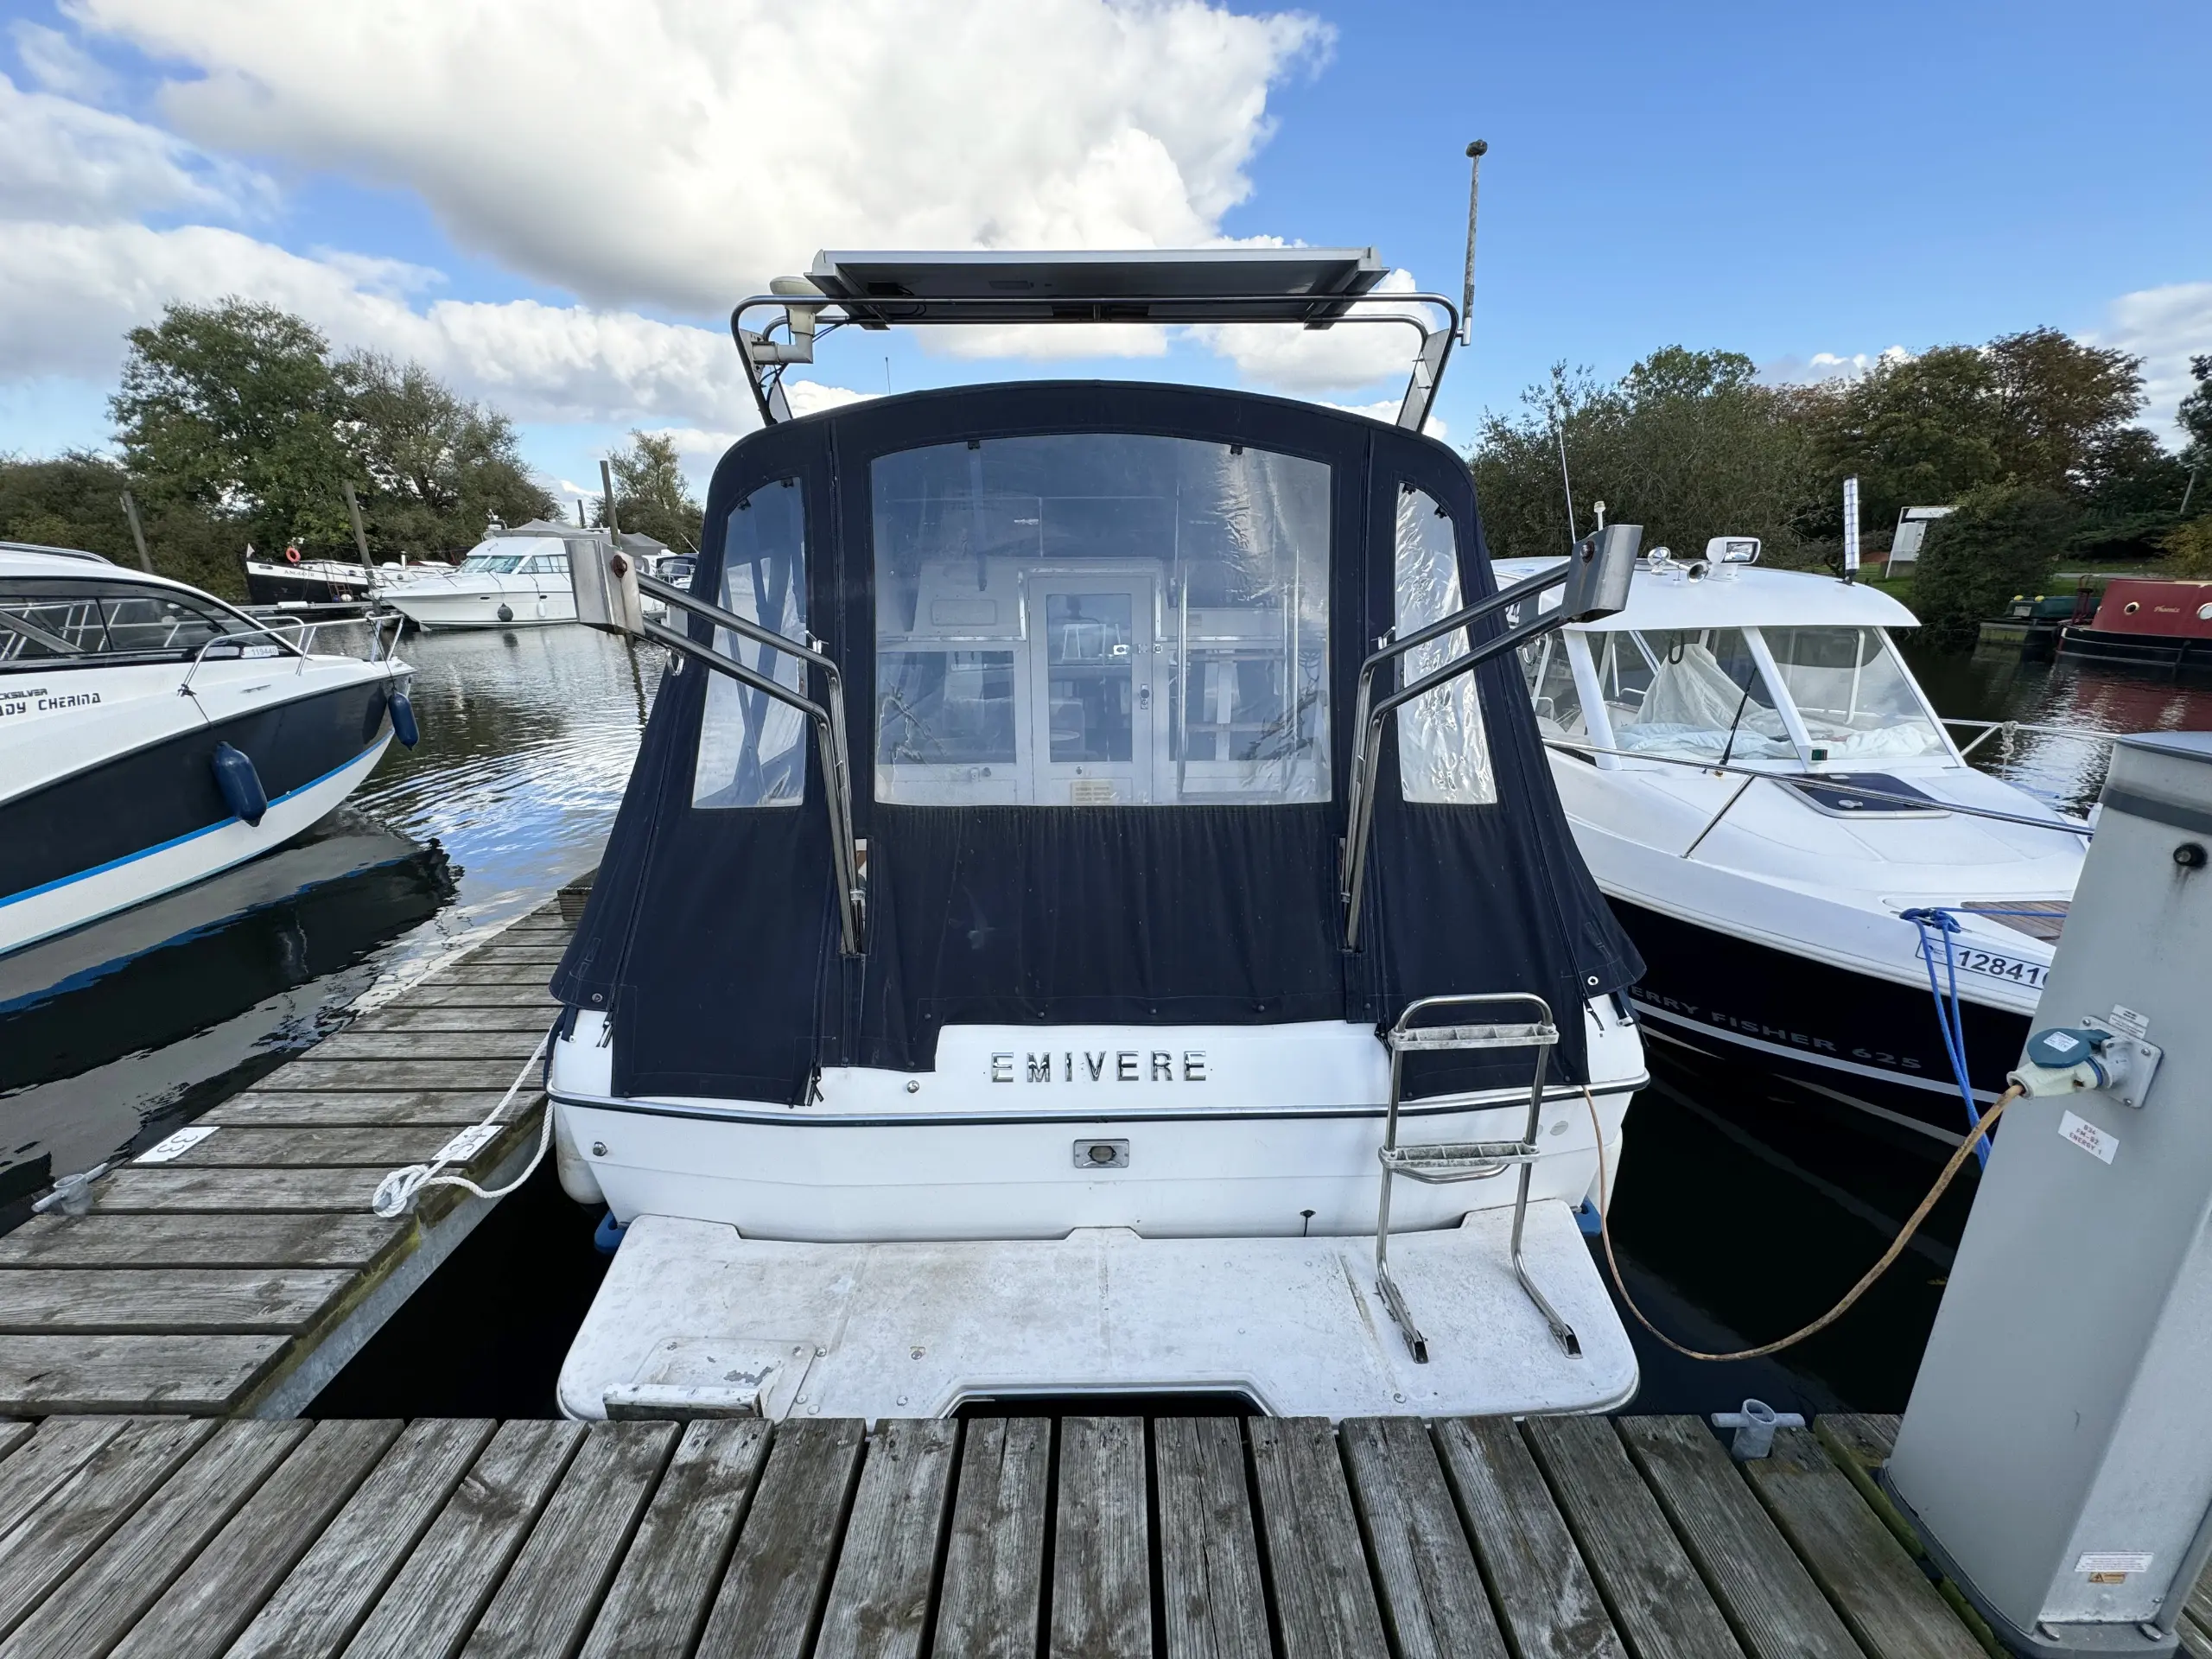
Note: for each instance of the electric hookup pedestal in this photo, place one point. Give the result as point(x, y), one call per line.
point(2056, 1455)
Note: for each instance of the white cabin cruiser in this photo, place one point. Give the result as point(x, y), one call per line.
point(1794, 841)
point(1188, 998)
point(514, 578)
point(151, 735)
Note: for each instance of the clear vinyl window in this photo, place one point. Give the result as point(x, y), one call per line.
point(1442, 753)
point(753, 748)
point(1098, 620)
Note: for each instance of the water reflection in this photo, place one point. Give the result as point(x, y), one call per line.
point(111, 1036)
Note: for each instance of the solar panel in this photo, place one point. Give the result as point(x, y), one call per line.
point(1309, 285)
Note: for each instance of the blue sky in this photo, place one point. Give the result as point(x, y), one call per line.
point(552, 203)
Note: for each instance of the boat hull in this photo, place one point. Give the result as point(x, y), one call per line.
point(431, 612)
point(136, 825)
point(1860, 1039)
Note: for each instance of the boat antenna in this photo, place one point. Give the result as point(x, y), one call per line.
point(1476, 151)
point(1559, 432)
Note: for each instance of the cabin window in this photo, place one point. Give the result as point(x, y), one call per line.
point(1695, 694)
point(1100, 620)
point(1442, 754)
point(753, 748)
point(1854, 697)
point(68, 622)
point(1550, 671)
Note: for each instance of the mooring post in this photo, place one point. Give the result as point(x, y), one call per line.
point(138, 532)
point(2056, 1455)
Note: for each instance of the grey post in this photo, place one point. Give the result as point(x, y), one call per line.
point(2057, 1453)
point(360, 535)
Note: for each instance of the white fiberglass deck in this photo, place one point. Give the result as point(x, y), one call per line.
point(692, 1315)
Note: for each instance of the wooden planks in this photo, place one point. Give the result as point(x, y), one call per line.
point(313, 1108)
point(431, 1606)
point(333, 1585)
point(659, 1600)
point(1769, 1598)
point(44, 1374)
point(1324, 1599)
point(1657, 1602)
point(1890, 1604)
point(1547, 1600)
point(200, 1241)
point(140, 1537)
point(1213, 1604)
point(549, 1597)
point(880, 1599)
point(214, 1599)
point(771, 1594)
point(992, 1601)
point(1102, 1579)
point(1432, 1593)
point(215, 1299)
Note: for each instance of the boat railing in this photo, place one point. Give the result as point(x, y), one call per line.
point(1595, 577)
point(300, 641)
point(1752, 774)
point(609, 589)
point(2012, 728)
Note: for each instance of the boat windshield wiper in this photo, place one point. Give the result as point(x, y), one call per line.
point(1742, 703)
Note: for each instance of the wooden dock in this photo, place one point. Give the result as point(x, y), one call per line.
point(1085, 1538)
point(236, 1277)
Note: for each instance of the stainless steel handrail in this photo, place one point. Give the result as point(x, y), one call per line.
point(1925, 804)
point(829, 724)
point(1989, 728)
point(1368, 717)
point(297, 642)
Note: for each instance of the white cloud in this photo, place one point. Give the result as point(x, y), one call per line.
point(1342, 359)
point(58, 63)
point(1386, 411)
point(2164, 326)
point(67, 294)
point(1827, 365)
point(679, 154)
point(70, 163)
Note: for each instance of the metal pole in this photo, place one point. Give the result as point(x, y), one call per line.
point(1476, 151)
point(1559, 431)
point(607, 482)
point(138, 532)
point(360, 535)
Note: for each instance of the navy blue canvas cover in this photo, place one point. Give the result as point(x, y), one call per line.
point(710, 936)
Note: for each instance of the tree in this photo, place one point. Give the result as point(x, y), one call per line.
point(1687, 443)
point(2003, 541)
point(652, 496)
point(437, 467)
point(234, 409)
point(75, 499)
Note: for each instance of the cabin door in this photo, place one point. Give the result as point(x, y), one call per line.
point(1096, 688)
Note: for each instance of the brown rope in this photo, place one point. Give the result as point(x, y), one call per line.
point(1897, 1248)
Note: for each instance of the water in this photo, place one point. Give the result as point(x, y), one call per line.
point(1743, 1208)
point(527, 740)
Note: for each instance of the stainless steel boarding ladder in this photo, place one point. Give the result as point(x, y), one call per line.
point(1464, 1161)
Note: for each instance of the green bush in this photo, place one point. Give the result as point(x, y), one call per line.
point(2004, 539)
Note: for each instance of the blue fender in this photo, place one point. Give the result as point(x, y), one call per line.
point(240, 784)
point(403, 717)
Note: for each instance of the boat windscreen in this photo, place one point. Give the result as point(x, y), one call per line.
point(1100, 618)
point(1694, 694)
point(1853, 694)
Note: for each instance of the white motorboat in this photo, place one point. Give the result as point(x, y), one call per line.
point(1789, 835)
point(1166, 1009)
point(514, 578)
point(151, 735)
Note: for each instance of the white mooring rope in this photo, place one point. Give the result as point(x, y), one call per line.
point(396, 1192)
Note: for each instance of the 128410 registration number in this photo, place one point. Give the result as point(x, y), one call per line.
point(1991, 964)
